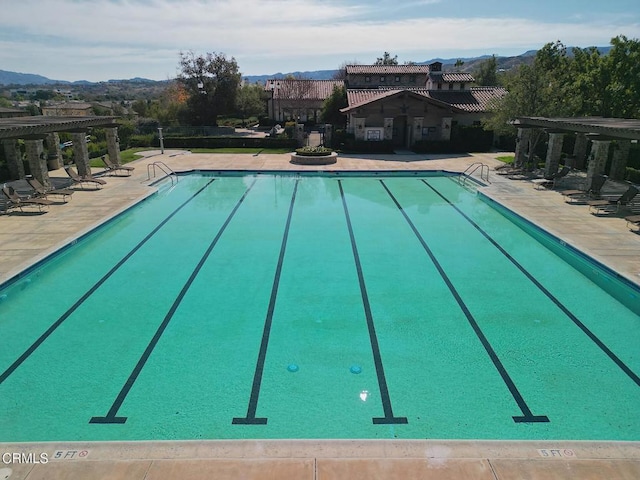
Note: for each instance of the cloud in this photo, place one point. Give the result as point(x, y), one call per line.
point(148, 34)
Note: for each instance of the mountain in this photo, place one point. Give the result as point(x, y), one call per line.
point(15, 78)
point(470, 64)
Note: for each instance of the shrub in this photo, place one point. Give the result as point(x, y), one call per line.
point(632, 175)
point(361, 146)
point(228, 142)
point(313, 151)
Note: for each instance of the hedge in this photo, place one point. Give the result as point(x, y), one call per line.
point(362, 146)
point(229, 142)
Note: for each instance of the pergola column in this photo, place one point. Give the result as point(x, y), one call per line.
point(417, 129)
point(37, 161)
point(388, 128)
point(620, 158)
point(328, 135)
point(554, 150)
point(580, 150)
point(446, 129)
point(113, 144)
point(522, 146)
point(300, 134)
point(81, 152)
point(54, 160)
point(597, 158)
point(359, 128)
point(14, 158)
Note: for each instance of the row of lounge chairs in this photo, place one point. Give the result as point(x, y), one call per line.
point(598, 204)
point(39, 195)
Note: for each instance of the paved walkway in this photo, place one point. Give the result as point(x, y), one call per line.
point(28, 238)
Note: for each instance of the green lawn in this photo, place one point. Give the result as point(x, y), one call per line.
point(506, 159)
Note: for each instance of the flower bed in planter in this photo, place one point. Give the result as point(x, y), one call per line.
point(314, 156)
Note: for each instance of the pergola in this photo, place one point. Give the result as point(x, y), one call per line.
point(599, 130)
point(35, 129)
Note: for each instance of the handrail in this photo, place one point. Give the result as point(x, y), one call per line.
point(462, 179)
point(165, 169)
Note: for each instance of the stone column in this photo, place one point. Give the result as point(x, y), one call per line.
point(597, 159)
point(328, 134)
point(81, 152)
point(554, 150)
point(522, 146)
point(446, 128)
point(388, 129)
point(37, 161)
point(300, 134)
point(359, 128)
point(14, 159)
point(113, 144)
point(620, 158)
point(417, 129)
point(580, 150)
point(54, 159)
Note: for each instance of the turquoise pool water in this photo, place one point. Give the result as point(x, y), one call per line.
point(317, 306)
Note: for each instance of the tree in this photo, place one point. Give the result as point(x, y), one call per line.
point(486, 75)
point(538, 90)
point(387, 60)
point(211, 81)
point(250, 101)
point(459, 63)
point(331, 107)
point(623, 90)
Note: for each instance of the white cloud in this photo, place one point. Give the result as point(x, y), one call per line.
point(143, 38)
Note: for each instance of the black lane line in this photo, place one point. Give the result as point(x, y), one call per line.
point(389, 417)
point(91, 291)
point(527, 416)
point(250, 418)
point(111, 417)
point(630, 373)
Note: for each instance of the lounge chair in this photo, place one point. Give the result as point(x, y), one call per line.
point(633, 221)
point(551, 181)
point(591, 193)
point(613, 205)
point(42, 192)
point(112, 167)
point(16, 201)
point(86, 179)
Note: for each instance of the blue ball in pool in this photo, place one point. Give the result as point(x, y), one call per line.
point(293, 368)
point(355, 369)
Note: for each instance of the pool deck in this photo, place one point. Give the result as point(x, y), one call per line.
point(28, 238)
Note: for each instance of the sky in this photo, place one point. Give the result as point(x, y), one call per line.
point(98, 40)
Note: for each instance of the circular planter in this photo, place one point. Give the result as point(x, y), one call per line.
point(314, 159)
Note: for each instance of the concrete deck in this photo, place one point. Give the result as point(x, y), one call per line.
point(27, 238)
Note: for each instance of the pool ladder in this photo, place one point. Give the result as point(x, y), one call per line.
point(165, 168)
point(462, 179)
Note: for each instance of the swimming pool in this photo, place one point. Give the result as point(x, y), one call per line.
point(317, 306)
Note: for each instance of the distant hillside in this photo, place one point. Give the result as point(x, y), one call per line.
point(15, 78)
point(470, 64)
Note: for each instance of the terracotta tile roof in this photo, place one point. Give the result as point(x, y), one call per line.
point(302, 89)
point(477, 99)
point(357, 98)
point(391, 69)
point(449, 77)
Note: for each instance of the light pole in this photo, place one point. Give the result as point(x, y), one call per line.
point(161, 140)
